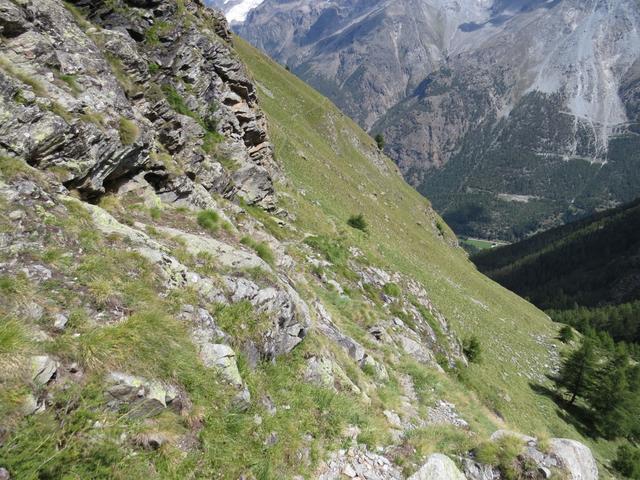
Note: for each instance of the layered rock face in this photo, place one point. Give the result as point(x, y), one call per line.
point(510, 116)
point(137, 95)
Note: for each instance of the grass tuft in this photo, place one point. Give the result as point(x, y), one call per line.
point(129, 131)
point(209, 220)
point(261, 248)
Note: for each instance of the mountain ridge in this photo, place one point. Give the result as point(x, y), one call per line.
point(454, 103)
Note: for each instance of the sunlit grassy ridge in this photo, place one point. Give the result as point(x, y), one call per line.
point(333, 170)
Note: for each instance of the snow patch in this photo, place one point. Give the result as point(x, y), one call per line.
point(238, 13)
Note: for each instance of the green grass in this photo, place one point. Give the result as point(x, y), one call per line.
point(26, 78)
point(209, 220)
point(480, 244)
point(70, 81)
point(501, 453)
point(12, 167)
point(176, 101)
point(345, 178)
point(157, 30)
point(392, 289)
point(261, 248)
point(129, 131)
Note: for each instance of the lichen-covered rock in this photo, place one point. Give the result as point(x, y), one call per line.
point(320, 372)
point(358, 463)
point(145, 398)
point(477, 471)
point(101, 106)
point(223, 358)
point(438, 467)
point(282, 303)
point(576, 458)
point(43, 368)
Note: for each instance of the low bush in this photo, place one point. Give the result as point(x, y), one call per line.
point(358, 222)
point(566, 334)
point(392, 290)
point(472, 349)
point(209, 220)
point(502, 454)
point(627, 462)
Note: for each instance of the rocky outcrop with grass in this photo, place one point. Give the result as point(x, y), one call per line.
point(149, 93)
point(163, 313)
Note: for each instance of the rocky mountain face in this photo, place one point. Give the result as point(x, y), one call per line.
point(510, 115)
point(180, 299)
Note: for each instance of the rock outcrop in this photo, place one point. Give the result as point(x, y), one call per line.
point(102, 107)
point(438, 467)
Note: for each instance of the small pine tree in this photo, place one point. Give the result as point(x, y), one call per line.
point(358, 222)
point(379, 138)
point(566, 334)
point(472, 349)
point(576, 373)
point(612, 398)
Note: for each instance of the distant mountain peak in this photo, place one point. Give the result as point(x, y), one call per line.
point(236, 11)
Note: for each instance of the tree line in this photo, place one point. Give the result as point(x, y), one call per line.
point(603, 377)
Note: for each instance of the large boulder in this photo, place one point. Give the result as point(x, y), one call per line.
point(438, 467)
point(575, 457)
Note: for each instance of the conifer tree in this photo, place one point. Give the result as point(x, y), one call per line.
point(577, 370)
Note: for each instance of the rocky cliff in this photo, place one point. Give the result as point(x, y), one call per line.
point(182, 294)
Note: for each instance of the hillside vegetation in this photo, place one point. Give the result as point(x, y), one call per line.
point(593, 262)
point(207, 271)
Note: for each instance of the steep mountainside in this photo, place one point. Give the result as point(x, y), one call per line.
point(511, 116)
point(181, 293)
point(592, 262)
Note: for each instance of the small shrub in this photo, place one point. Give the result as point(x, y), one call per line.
point(566, 334)
point(209, 220)
point(379, 141)
point(472, 349)
point(158, 29)
point(502, 453)
point(440, 227)
point(392, 290)
point(129, 131)
point(358, 222)
point(264, 252)
point(332, 250)
point(155, 213)
point(627, 461)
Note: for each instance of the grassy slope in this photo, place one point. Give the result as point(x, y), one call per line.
point(329, 179)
